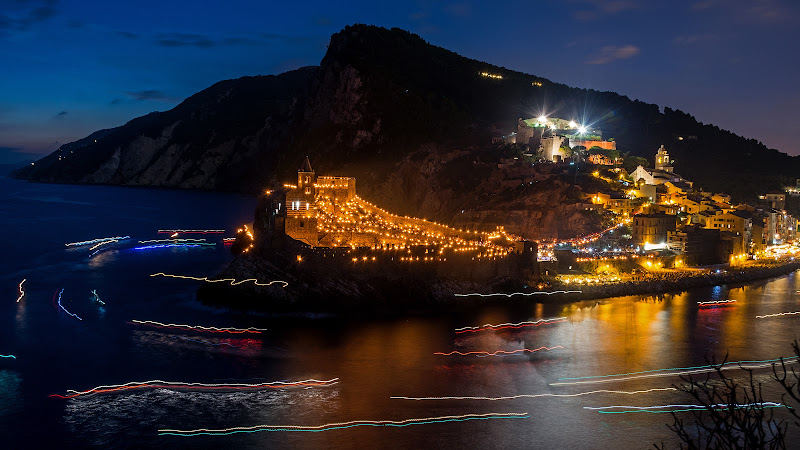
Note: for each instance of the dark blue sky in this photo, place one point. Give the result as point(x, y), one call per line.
point(70, 67)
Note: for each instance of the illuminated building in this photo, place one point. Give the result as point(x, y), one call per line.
point(652, 228)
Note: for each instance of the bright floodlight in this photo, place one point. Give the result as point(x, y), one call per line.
point(572, 124)
point(542, 119)
point(582, 130)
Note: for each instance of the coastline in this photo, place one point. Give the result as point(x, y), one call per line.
point(421, 293)
point(728, 275)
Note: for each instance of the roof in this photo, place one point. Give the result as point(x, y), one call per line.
point(306, 166)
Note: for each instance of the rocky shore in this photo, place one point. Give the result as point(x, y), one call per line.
point(304, 290)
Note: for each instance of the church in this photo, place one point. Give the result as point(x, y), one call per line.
point(662, 173)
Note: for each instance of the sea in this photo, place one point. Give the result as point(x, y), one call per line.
point(100, 353)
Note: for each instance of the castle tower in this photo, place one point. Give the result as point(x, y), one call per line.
point(306, 180)
point(662, 160)
point(301, 209)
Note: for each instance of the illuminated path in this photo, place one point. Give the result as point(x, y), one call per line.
point(757, 364)
point(231, 280)
point(511, 397)
point(160, 384)
point(502, 326)
point(8, 356)
point(342, 425)
point(483, 354)
point(197, 327)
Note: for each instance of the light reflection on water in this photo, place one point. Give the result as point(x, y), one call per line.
point(374, 359)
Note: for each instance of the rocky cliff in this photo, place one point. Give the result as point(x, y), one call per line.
point(413, 123)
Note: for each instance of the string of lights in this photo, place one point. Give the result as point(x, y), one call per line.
point(65, 309)
point(511, 397)
point(160, 384)
point(501, 326)
point(342, 425)
point(8, 356)
point(198, 327)
point(231, 280)
point(21, 291)
point(498, 352)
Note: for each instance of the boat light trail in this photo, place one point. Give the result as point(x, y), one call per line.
point(161, 384)
point(790, 313)
point(716, 303)
point(150, 241)
point(498, 352)
point(188, 244)
point(97, 297)
point(664, 408)
point(755, 364)
point(198, 327)
point(65, 309)
point(192, 231)
point(510, 325)
point(232, 280)
point(110, 241)
point(511, 397)
point(94, 241)
point(21, 292)
point(518, 293)
point(341, 425)
point(8, 356)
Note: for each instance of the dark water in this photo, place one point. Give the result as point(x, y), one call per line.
point(374, 360)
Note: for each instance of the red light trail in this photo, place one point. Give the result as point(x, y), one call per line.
point(160, 384)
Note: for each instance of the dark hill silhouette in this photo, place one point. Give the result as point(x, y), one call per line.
point(386, 106)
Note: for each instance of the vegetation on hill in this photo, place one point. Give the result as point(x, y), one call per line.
point(378, 98)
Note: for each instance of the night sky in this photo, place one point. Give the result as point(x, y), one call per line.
point(68, 68)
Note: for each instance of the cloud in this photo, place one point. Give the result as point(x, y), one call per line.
point(127, 34)
point(695, 38)
point(22, 15)
point(758, 11)
point(322, 21)
point(115, 102)
point(60, 115)
point(184, 40)
point(458, 9)
point(609, 6)
point(149, 94)
point(239, 41)
point(611, 53)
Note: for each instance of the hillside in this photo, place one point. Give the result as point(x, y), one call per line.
point(413, 123)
